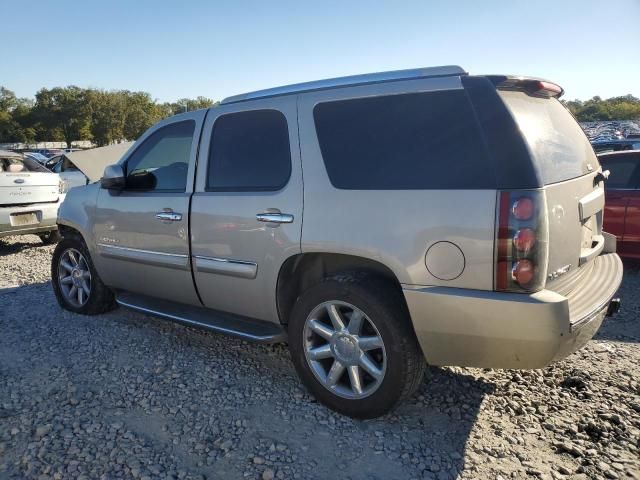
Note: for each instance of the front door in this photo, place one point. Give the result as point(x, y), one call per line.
point(142, 232)
point(246, 216)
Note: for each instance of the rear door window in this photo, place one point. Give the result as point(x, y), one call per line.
point(249, 151)
point(559, 147)
point(403, 142)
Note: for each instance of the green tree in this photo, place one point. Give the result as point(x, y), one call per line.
point(63, 112)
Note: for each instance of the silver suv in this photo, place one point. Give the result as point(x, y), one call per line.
point(372, 221)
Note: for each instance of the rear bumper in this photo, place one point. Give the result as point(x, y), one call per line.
point(46, 213)
point(509, 330)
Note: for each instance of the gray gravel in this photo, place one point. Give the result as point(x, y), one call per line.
point(126, 395)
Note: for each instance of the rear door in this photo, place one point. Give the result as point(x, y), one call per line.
point(567, 167)
point(246, 214)
point(142, 232)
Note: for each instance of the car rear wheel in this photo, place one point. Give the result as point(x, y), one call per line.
point(353, 346)
point(76, 283)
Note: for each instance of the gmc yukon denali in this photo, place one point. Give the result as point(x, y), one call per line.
point(376, 223)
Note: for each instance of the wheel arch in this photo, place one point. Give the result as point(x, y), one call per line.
point(301, 271)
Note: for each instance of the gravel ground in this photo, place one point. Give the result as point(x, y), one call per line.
point(126, 395)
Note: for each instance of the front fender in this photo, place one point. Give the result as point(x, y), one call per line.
point(77, 211)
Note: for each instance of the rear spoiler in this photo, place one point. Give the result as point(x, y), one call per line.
point(536, 87)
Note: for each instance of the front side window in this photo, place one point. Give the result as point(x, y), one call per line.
point(403, 142)
point(249, 151)
point(162, 161)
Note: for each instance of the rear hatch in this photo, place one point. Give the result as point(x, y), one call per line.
point(23, 182)
point(569, 170)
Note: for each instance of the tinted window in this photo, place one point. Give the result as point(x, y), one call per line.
point(249, 151)
point(560, 148)
point(621, 173)
point(401, 142)
point(162, 161)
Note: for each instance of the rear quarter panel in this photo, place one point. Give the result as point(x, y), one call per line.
point(396, 227)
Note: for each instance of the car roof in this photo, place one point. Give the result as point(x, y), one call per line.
point(443, 71)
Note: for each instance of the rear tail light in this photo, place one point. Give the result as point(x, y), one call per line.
point(521, 241)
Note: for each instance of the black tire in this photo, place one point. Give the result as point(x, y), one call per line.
point(51, 237)
point(101, 299)
point(385, 308)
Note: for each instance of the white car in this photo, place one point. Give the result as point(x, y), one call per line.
point(70, 174)
point(29, 198)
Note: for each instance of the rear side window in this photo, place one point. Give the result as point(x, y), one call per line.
point(622, 173)
point(249, 151)
point(559, 147)
point(403, 142)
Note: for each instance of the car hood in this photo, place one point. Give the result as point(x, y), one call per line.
point(93, 162)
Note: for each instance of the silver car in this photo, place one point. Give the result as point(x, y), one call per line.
point(374, 222)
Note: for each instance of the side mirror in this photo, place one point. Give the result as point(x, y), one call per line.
point(113, 178)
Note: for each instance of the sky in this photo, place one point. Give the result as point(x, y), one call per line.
point(175, 49)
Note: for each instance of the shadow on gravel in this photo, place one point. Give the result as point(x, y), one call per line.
point(16, 247)
point(625, 325)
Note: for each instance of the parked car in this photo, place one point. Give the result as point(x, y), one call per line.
point(622, 207)
point(29, 198)
point(443, 216)
point(38, 157)
point(70, 175)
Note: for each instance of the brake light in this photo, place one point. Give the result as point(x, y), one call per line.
point(521, 241)
point(549, 89)
point(523, 208)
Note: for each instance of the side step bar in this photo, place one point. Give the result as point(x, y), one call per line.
point(246, 328)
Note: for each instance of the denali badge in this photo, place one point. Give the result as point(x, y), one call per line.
point(559, 272)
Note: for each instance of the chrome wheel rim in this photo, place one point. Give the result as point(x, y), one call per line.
point(344, 350)
point(74, 277)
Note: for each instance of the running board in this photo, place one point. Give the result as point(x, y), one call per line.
point(259, 331)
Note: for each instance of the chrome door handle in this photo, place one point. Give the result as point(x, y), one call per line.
point(169, 216)
point(275, 217)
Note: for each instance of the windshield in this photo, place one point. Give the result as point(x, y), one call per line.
point(557, 143)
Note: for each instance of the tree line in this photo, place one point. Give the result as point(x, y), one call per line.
point(597, 109)
point(72, 114)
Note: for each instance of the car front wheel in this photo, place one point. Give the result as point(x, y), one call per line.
point(353, 346)
point(76, 282)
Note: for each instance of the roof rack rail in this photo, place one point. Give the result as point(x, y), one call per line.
point(414, 73)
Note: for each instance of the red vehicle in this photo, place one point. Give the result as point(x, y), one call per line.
point(622, 193)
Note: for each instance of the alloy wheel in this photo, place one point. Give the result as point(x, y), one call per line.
point(344, 350)
point(74, 277)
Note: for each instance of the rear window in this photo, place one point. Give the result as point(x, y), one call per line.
point(560, 149)
point(403, 142)
point(19, 165)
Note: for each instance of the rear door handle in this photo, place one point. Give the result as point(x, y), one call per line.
point(274, 217)
point(169, 216)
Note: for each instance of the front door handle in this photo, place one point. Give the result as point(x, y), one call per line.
point(274, 217)
point(169, 216)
